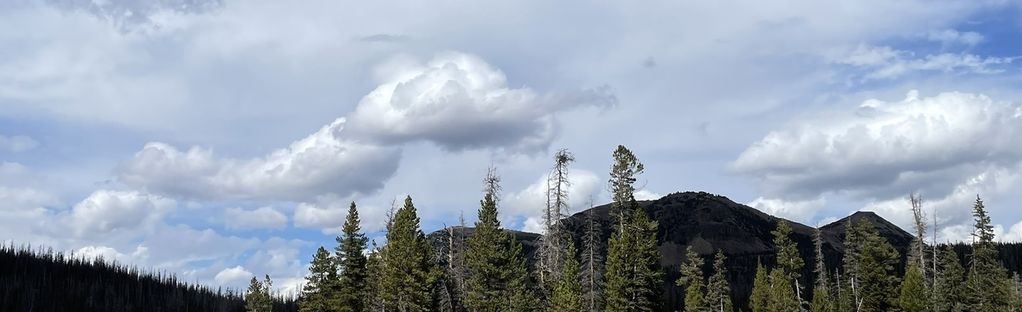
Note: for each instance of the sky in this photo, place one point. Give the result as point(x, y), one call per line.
point(217, 140)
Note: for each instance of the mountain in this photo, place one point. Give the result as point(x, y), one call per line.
point(710, 222)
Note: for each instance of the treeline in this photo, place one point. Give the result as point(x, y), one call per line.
point(488, 271)
point(43, 280)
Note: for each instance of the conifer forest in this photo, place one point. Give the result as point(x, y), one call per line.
point(616, 257)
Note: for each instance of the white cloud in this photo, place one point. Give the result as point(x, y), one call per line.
point(882, 62)
point(322, 163)
point(110, 254)
point(643, 194)
point(232, 276)
point(802, 211)
point(888, 149)
point(1014, 233)
point(328, 214)
point(107, 212)
point(458, 101)
point(17, 143)
point(529, 203)
point(954, 37)
point(260, 218)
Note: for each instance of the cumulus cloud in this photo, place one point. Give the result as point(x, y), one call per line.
point(259, 218)
point(322, 163)
point(17, 143)
point(328, 214)
point(458, 101)
point(798, 210)
point(529, 203)
point(234, 275)
point(882, 62)
point(106, 212)
point(954, 37)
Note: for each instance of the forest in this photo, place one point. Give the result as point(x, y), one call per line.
point(684, 252)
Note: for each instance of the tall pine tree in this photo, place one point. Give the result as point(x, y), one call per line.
point(409, 271)
point(497, 274)
point(257, 298)
point(913, 295)
point(692, 280)
point(633, 277)
point(949, 288)
point(760, 297)
point(351, 294)
point(877, 278)
point(567, 292)
point(592, 260)
point(988, 285)
point(319, 284)
point(822, 301)
point(718, 291)
point(789, 268)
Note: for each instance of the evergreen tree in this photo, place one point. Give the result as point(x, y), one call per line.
point(988, 285)
point(409, 272)
point(551, 247)
point(374, 270)
point(633, 277)
point(850, 297)
point(318, 288)
point(257, 298)
point(592, 258)
point(718, 291)
point(692, 279)
point(789, 266)
point(351, 260)
point(822, 302)
point(760, 297)
point(913, 297)
point(949, 282)
point(878, 279)
point(567, 293)
point(782, 294)
point(497, 275)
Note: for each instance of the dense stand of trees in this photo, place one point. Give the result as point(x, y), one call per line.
point(43, 280)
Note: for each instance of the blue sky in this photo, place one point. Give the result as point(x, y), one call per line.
point(221, 139)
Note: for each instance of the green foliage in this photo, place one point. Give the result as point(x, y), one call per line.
point(319, 284)
point(567, 293)
point(497, 274)
point(913, 297)
point(782, 293)
point(876, 260)
point(351, 289)
point(988, 285)
point(692, 279)
point(822, 301)
point(257, 298)
point(789, 266)
point(718, 291)
point(633, 278)
point(949, 284)
point(760, 297)
point(408, 271)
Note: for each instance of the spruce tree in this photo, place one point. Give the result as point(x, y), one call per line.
point(822, 301)
point(718, 291)
point(692, 279)
point(913, 296)
point(789, 266)
point(567, 293)
point(877, 277)
point(319, 284)
point(850, 288)
point(497, 275)
point(374, 271)
point(592, 258)
point(351, 291)
point(760, 297)
point(988, 286)
point(409, 271)
point(257, 297)
point(633, 277)
point(949, 282)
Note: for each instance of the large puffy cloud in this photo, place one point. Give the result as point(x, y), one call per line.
point(459, 101)
point(949, 147)
point(322, 163)
point(115, 212)
point(799, 210)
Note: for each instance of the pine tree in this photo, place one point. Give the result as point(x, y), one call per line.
point(988, 286)
point(913, 296)
point(497, 275)
point(409, 272)
point(633, 277)
point(692, 279)
point(1016, 298)
point(877, 277)
point(552, 242)
point(789, 266)
point(949, 282)
point(782, 294)
point(567, 293)
point(374, 270)
point(319, 284)
point(257, 297)
point(760, 297)
point(592, 257)
point(351, 260)
point(822, 302)
point(718, 291)
point(917, 252)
